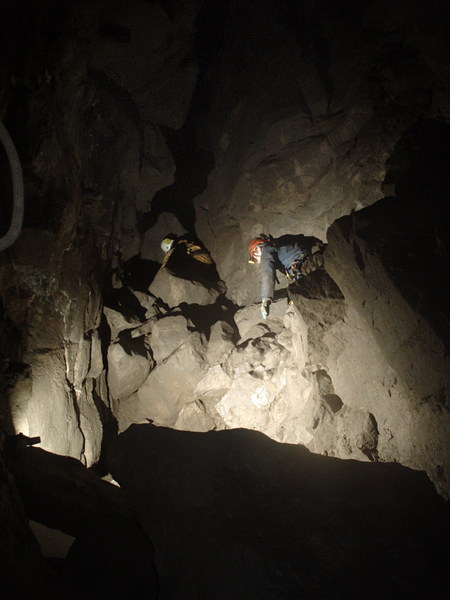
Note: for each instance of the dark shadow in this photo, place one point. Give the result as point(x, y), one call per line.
point(132, 345)
point(318, 285)
point(115, 560)
point(11, 368)
point(6, 192)
point(191, 179)
point(110, 429)
point(279, 294)
point(334, 402)
point(193, 162)
point(104, 332)
point(124, 301)
point(138, 273)
point(306, 242)
point(111, 556)
point(312, 42)
point(411, 233)
point(205, 316)
point(271, 516)
point(115, 32)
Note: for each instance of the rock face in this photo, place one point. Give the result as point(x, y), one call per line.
point(52, 280)
point(304, 135)
point(350, 371)
point(133, 120)
point(233, 514)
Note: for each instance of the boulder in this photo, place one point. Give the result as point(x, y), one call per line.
point(171, 384)
point(249, 317)
point(213, 385)
point(248, 403)
point(127, 371)
point(193, 417)
point(168, 335)
point(233, 514)
point(118, 322)
point(220, 342)
point(173, 290)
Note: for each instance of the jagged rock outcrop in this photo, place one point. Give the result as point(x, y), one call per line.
point(137, 119)
point(306, 132)
point(79, 99)
point(327, 369)
point(294, 166)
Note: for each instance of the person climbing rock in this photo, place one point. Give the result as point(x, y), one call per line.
point(188, 245)
point(186, 257)
point(294, 255)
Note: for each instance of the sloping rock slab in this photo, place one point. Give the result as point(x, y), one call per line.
point(234, 515)
point(173, 290)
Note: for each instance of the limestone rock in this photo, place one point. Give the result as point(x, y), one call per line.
point(44, 406)
point(213, 385)
point(130, 410)
point(171, 384)
point(248, 403)
point(386, 334)
point(342, 431)
point(233, 514)
point(174, 291)
point(118, 322)
point(90, 423)
point(96, 365)
point(249, 317)
point(127, 370)
point(168, 335)
point(193, 417)
point(147, 302)
point(220, 342)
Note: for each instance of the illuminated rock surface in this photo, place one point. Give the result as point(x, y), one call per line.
point(226, 119)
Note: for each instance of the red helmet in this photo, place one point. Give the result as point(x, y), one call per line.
point(257, 241)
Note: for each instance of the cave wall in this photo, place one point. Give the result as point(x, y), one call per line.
point(398, 359)
point(349, 110)
point(88, 129)
point(227, 120)
point(307, 103)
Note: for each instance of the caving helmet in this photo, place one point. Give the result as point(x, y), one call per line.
point(256, 242)
point(168, 242)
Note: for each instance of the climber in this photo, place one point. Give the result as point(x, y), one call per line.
point(186, 257)
point(295, 256)
point(188, 245)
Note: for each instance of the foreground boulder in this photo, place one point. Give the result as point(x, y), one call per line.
point(110, 557)
point(235, 515)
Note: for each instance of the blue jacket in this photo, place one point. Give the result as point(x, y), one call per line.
point(273, 259)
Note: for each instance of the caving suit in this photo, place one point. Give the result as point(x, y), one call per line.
point(281, 259)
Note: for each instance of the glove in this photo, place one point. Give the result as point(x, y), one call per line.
point(265, 307)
